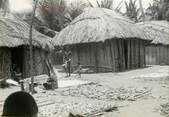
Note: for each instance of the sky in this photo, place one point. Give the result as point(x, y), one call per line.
point(20, 5)
point(26, 5)
point(145, 3)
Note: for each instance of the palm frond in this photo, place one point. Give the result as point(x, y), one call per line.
point(132, 11)
point(90, 4)
point(119, 5)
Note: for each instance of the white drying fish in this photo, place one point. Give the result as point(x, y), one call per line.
point(10, 81)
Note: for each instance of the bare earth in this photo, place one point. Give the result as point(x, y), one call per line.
point(136, 93)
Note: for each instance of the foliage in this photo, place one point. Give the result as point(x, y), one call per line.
point(53, 13)
point(109, 4)
point(57, 14)
point(76, 8)
point(132, 11)
point(105, 4)
point(159, 10)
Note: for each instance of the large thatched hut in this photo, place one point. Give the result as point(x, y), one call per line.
point(157, 50)
point(104, 40)
point(14, 48)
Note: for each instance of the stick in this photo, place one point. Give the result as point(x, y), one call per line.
point(46, 104)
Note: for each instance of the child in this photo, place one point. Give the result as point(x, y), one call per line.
point(79, 68)
point(65, 66)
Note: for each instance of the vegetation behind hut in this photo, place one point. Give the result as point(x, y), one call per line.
point(57, 14)
point(132, 11)
point(108, 4)
point(159, 10)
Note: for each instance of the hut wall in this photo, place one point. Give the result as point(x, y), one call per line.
point(39, 66)
point(113, 55)
point(5, 63)
point(135, 53)
point(157, 55)
point(56, 57)
point(100, 57)
point(85, 54)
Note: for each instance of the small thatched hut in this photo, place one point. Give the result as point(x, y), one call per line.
point(157, 51)
point(14, 48)
point(104, 40)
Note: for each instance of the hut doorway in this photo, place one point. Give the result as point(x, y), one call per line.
point(17, 61)
point(126, 52)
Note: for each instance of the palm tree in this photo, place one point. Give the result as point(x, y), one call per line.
point(159, 10)
point(76, 8)
point(163, 10)
point(57, 14)
point(53, 13)
point(109, 4)
point(132, 11)
point(105, 4)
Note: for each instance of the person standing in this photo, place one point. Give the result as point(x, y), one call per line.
point(69, 62)
point(79, 69)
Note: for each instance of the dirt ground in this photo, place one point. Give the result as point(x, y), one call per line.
point(135, 93)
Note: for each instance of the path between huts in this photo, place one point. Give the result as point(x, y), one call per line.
point(136, 93)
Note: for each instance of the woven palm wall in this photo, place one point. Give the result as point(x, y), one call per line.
point(157, 51)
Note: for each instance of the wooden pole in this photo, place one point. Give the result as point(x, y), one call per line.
point(31, 47)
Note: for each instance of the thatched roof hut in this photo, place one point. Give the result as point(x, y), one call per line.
point(14, 50)
point(98, 24)
point(105, 40)
point(157, 52)
point(15, 32)
point(157, 31)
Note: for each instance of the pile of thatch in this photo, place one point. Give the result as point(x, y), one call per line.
point(15, 32)
point(157, 31)
point(98, 24)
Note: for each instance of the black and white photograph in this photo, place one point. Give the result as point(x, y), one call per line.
point(84, 58)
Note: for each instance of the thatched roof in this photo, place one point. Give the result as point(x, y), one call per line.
point(157, 31)
point(15, 32)
point(55, 37)
point(46, 31)
point(98, 24)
